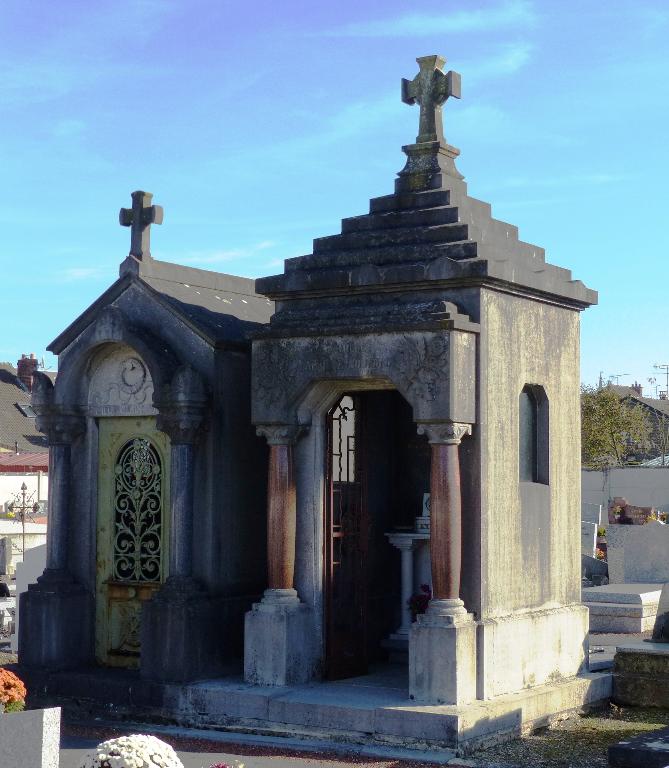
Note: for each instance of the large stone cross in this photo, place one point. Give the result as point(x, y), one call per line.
point(139, 218)
point(430, 88)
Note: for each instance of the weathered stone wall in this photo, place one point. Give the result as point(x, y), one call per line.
point(530, 532)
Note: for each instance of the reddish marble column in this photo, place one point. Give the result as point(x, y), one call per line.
point(281, 516)
point(445, 512)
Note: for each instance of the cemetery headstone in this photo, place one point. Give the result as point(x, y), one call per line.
point(637, 554)
point(592, 513)
point(588, 538)
point(27, 572)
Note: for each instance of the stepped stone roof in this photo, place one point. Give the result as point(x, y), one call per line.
point(430, 233)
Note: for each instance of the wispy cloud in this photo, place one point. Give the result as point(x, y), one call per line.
point(507, 60)
point(222, 256)
point(68, 128)
point(513, 13)
point(574, 180)
point(75, 274)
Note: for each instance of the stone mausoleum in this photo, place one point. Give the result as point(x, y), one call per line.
point(408, 397)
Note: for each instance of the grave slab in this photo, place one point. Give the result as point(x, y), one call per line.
point(30, 738)
point(650, 750)
point(626, 608)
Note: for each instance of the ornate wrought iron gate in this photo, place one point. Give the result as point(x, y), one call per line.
point(346, 543)
point(132, 519)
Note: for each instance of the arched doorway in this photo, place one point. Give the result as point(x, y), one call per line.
point(376, 471)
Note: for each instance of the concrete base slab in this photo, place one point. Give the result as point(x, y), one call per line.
point(372, 709)
point(650, 750)
point(624, 608)
point(641, 674)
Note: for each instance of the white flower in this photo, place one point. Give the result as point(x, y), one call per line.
point(136, 751)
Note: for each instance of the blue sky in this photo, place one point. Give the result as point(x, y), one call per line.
point(258, 126)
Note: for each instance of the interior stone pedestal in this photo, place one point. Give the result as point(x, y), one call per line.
point(277, 649)
point(641, 675)
point(442, 657)
point(55, 613)
point(179, 625)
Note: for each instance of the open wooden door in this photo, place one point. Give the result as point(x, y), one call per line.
point(346, 544)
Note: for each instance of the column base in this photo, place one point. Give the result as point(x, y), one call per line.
point(278, 640)
point(180, 634)
point(55, 623)
point(442, 655)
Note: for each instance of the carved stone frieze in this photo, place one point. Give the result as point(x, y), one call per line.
point(421, 363)
point(447, 433)
point(423, 366)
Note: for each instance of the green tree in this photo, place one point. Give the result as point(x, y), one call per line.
point(612, 429)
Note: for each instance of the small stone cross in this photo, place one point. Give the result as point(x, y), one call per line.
point(139, 218)
point(430, 88)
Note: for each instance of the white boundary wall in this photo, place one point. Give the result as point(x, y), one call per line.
point(10, 485)
point(641, 486)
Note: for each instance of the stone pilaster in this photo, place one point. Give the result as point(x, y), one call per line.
point(277, 648)
point(442, 643)
point(179, 623)
point(56, 612)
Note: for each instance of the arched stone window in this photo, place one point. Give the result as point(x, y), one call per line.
point(533, 435)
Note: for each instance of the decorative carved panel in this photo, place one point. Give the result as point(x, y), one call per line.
point(433, 370)
point(120, 384)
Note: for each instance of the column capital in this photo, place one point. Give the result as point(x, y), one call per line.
point(280, 434)
point(61, 426)
point(181, 406)
point(180, 422)
point(445, 433)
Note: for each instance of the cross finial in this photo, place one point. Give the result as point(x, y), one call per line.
point(430, 88)
point(139, 218)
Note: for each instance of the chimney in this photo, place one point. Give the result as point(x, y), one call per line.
point(25, 368)
point(638, 388)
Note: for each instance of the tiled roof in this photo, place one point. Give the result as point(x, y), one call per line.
point(221, 308)
point(24, 462)
point(15, 426)
point(662, 406)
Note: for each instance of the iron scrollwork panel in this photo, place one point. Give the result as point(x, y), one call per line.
point(137, 535)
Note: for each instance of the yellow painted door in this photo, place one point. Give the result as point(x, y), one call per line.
point(132, 532)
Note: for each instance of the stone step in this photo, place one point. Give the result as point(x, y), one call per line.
point(412, 217)
point(444, 233)
point(396, 254)
point(404, 200)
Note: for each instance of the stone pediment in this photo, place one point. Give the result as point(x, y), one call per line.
point(218, 312)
